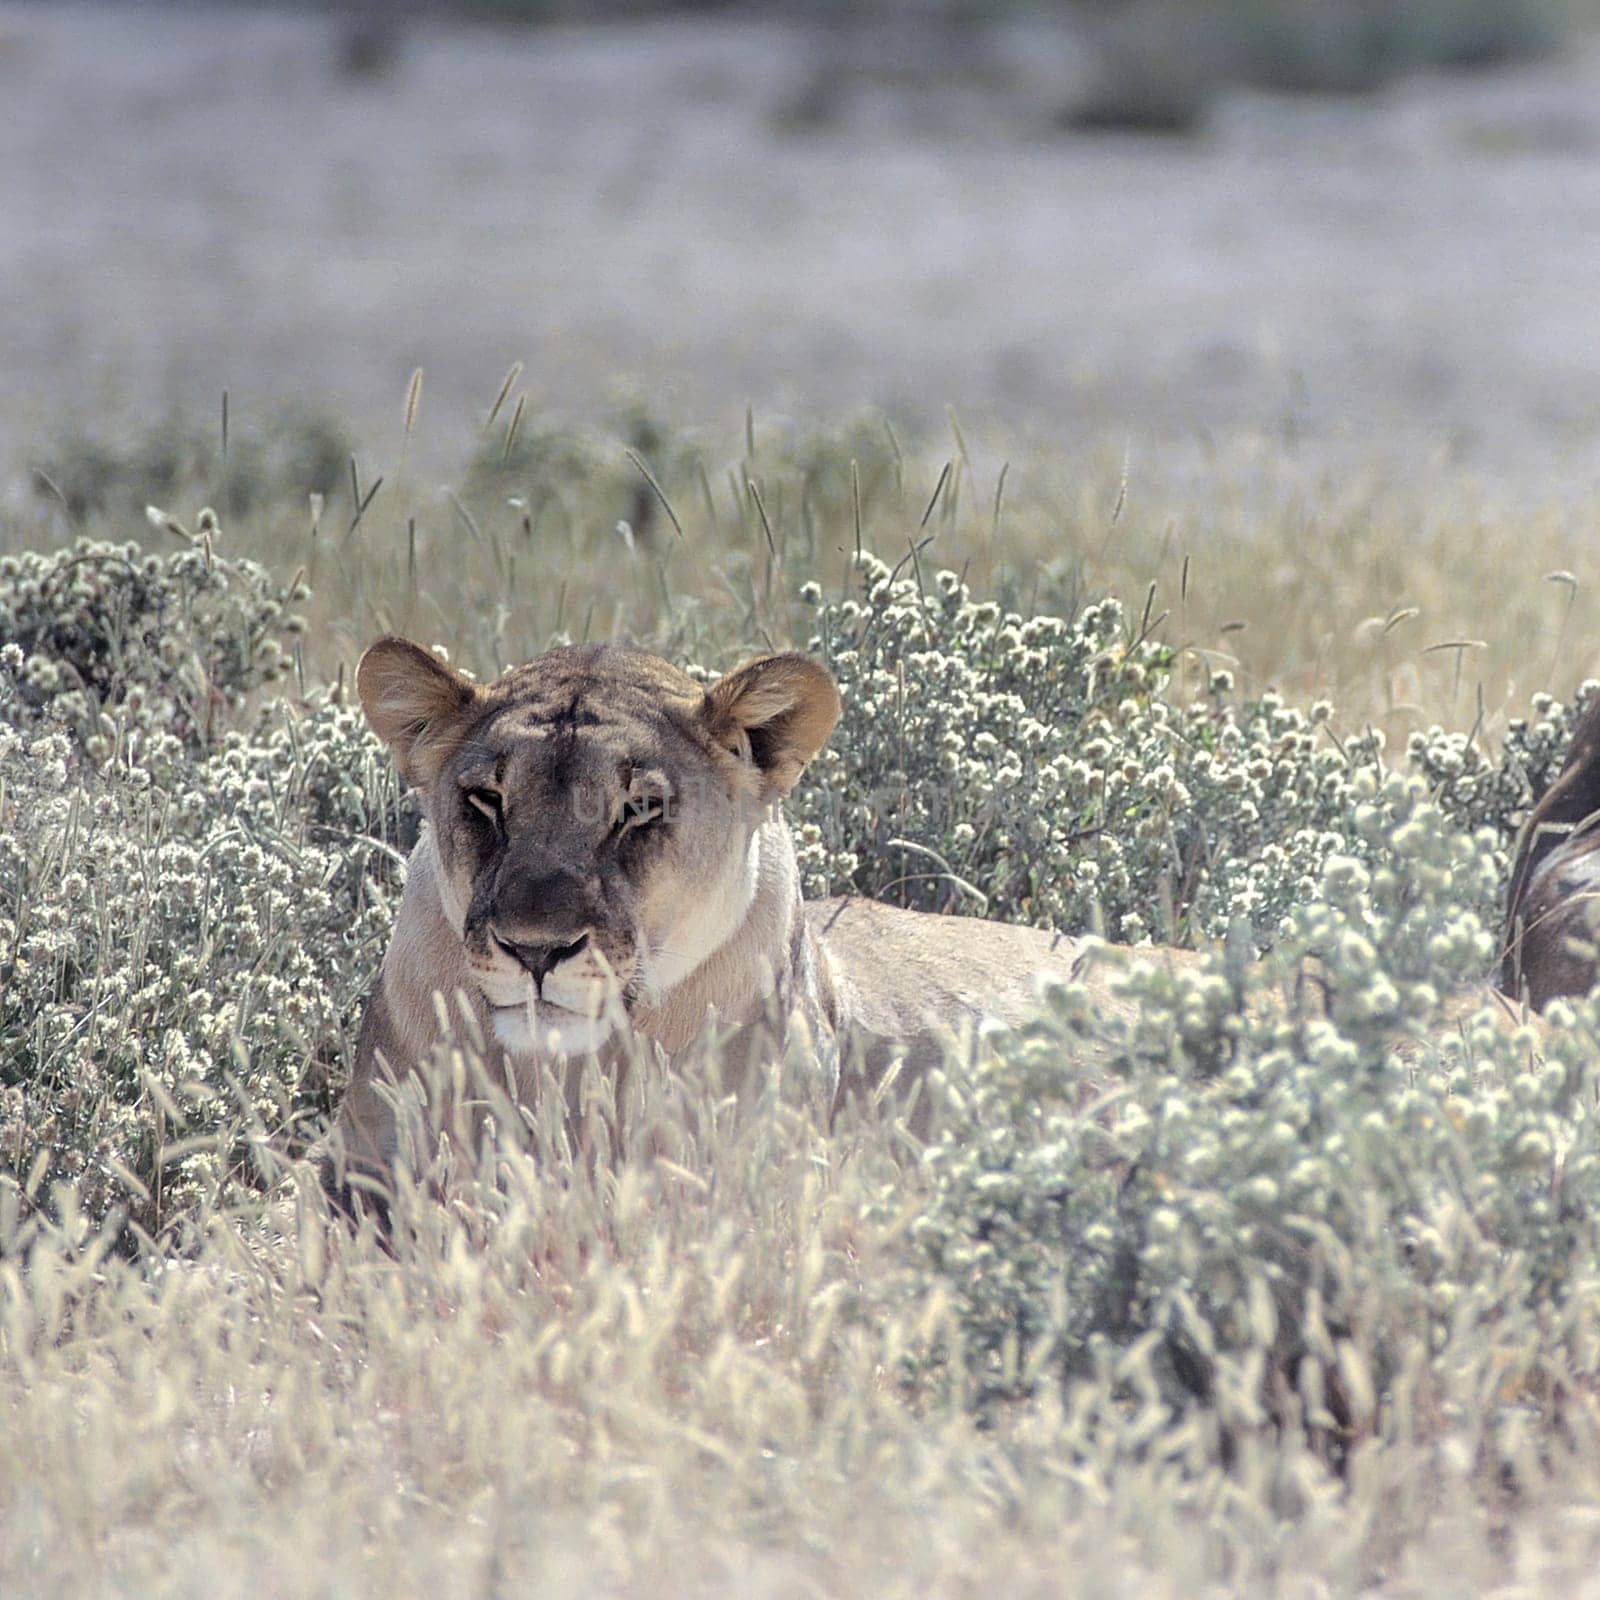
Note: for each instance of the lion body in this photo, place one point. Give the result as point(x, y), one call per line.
point(564, 923)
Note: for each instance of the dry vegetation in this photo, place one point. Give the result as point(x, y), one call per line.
point(1305, 1303)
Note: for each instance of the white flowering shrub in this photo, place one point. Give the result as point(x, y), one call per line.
point(189, 912)
point(182, 961)
point(112, 640)
point(1477, 791)
point(1031, 769)
point(1311, 1196)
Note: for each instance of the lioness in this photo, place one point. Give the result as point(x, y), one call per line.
point(603, 851)
point(1553, 905)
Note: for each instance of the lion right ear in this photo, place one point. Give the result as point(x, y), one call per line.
point(775, 712)
point(416, 704)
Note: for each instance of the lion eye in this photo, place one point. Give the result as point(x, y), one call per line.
point(486, 801)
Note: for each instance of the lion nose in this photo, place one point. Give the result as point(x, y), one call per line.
point(538, 960)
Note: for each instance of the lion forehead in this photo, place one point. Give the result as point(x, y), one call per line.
point(577, 741)
point(605, 697)
point(586, 717)
point(591, 676)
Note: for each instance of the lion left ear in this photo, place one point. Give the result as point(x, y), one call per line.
point(775, 712)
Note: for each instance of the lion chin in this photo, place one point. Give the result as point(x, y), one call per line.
point(539, 1028)
point(570, 1016)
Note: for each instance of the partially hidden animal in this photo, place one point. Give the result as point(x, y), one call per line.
point(604, 853)
point(1553, 904)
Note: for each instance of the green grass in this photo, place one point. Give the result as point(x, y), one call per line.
point(1304, 1302)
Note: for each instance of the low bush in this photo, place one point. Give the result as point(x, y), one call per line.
point(193, 891)
point(1320, 1196)
point(1035, 769)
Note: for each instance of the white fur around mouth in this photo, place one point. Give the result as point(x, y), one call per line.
point(539, 1028)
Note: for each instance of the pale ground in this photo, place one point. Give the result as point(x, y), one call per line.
point(194, 200)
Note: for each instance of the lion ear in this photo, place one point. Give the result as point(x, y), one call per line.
point(416, 704)
point(775, 712)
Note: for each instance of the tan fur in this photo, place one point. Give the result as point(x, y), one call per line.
point(704, 916)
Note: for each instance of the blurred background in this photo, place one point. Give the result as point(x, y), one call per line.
point(1365, 231)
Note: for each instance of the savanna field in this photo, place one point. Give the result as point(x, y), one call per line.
point(1302, 1299)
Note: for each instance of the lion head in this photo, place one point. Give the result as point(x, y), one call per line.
point(597, 816)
